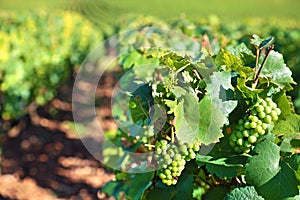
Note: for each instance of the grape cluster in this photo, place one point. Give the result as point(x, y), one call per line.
point(254, 125)
point(172, 158)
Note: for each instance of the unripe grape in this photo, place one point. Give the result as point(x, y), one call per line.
point(259, 122)
point(174, 163)
point(268, 100)
point(258, 128)
point(174, 169)
point(253, 112)
point(167, 172)
point(263, 103)
point(252, 124)
point(262, 115)
point(268, 109)
point(262, 132)
point(252, 139)
point(273, 113)
point(239, 142)
point(239, 134)
point(273, 105)
point(233, 137)
point(231, 143)
point(192, 155)
point(174, 181)
point(247, 144)
point(241, 128)
point(162, 176)
point(278, 111)
point(259, 108)
point(196, 147)
point(275, 118)
point(264, 126)
point(237, 149)
point(246, 133)
point(253, 118)
point(268, 119)
point(247, 125)
point(240, 122)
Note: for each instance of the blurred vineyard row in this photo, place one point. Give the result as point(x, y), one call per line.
point(40, 51)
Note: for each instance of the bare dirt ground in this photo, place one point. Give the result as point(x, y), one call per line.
point(43, 159)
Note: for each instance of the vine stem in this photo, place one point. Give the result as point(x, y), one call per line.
point(262, 65)
point(256, 61)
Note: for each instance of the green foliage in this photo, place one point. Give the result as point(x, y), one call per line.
point(248, 192)
point(39, 52)
point(263, 167)
point(201, 93)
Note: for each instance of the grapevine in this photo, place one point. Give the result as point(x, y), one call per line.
point(231, 103)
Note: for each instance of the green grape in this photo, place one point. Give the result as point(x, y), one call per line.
point(275, 118)
point(247, 125)
point(241, 122)
point(268, 119)
point(253, 118)
point(268, 109)
point(196, 147)
point(259, 122)
point(239, 134)
point(261, 115)
point(174, 163)
point(162, 176)
point(259, 108)
point(252, 139)
point(247, 144)
point(278, 111)
point(253, 124)
point(239, 142)
point(258, 129)
point(237, 149)
point(233, 137)
point(273, 113)
point(264, 126)
point(246, 133)
point(231, 143)
point(241, 128)
point(253, 112)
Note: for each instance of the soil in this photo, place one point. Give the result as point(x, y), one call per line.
point(43, 158)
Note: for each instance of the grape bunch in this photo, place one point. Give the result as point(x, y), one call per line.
point(172, 158)
point(252, 126)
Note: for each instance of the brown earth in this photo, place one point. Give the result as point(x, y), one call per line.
point(43, 158)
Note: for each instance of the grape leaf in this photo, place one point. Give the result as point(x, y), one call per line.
point(221, 160)
point(211, 119)
point(247, 192)
point(282, 186)
point(214, 109)
point(263, 167)
point(284, 104)
point(182, 190)
point(294, 163)
point(187, 118)
point(223, 167)
point(276, 69)
point(288, 127)
point(230, 62)
point(216, 193)
point(260, 43)
point(134, 186)
point(244, 54)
